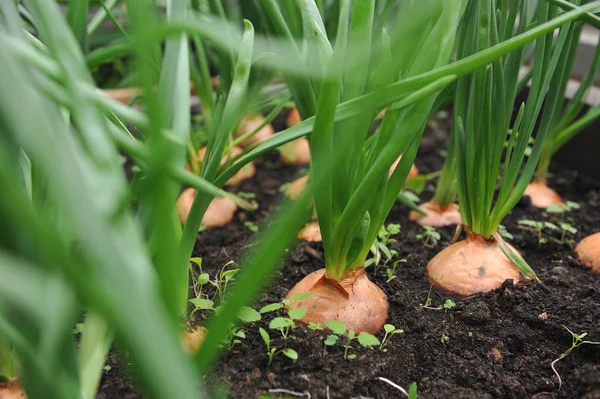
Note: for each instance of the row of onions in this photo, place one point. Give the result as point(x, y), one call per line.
point(488, 167)
point(364, 82)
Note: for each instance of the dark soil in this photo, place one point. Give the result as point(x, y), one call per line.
point(500, 344)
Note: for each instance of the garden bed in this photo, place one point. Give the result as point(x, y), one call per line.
point(499, 345)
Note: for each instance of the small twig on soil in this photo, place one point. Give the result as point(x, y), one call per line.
point(398, 387)
point(307, 394)
point(327, 392)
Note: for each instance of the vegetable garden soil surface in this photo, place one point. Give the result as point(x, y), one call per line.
point(500, 344)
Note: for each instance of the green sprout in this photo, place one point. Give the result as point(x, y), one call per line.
point(273, 351)
point(381, 246)
point(315, 326)
point(429, 236)
point(251, 226)
point(223, 280)
point(566, 206)
point(390, 272)
point(338, 328)
point(390, 330)
point(539, 228)
point(286, 324)
point(576, 341)
point(504, 233)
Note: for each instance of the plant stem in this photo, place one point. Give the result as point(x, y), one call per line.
point(95, 343)
point(7, 366)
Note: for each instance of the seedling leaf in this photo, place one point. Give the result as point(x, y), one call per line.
point(197, 261)
point(240, 334)
point(248, 315)
point(297, 313)
point(265, 336)
point(278, 323)
point(203, 278)
point(292, 354)
point(271, 307)
point(368, 340)
point(449, 304)
point(336, 326)
point(412, 391)
point(331, 340)
point(201, 303)
point(301, 296)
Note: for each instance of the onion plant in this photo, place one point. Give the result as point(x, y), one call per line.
point(442, 209)
point(567, 121)
point(490, 148)
point(349, 224)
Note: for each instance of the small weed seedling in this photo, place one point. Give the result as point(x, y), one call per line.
point(504, 233)
point(339, 329)
point(198, 282)
point(449, 304)
point(444, 339)
point(412, 391)
point(287, 324)
point(381, 246)
point(315, 326)
point(563, 222)
point(246, 314)
point(390, 330)
point(224, 278)
point(577, 340)
point(273, 351)
point(561, 226)
point(563, 208)
point(390, 272)
point(251, 226)
point(234, 336)
point(221, 283)
point(539, 227)
point(564, 229)
point(429, 237)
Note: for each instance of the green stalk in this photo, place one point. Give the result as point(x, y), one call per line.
point(95, 343)
point(445, 191)
point(100, 16)
point(77, 18)
point(7, 361)
point(217, 143)
point(170, 109)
